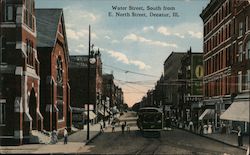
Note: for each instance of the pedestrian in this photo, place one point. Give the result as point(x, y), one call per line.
point(101, 128)
point(125, 123)
point(240, 143)
point(128, 128)
point(53, 137)
point(113, 126)
point(123, 127)
point(65, 135)
point(191, 126)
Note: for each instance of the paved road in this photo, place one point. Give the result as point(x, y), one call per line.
point(171, 142)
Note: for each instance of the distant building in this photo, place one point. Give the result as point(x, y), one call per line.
point(170, 97)
point(53, 55)
point(19, 79)
point(78, 79)
point(190, 78)
point(109, 88)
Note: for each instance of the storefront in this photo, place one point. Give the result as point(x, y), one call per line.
point(238, 112)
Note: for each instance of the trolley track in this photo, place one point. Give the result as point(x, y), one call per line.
point(150, 147)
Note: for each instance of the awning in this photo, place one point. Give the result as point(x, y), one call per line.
point(238, 111)
point(207, 114)
point(92, 115)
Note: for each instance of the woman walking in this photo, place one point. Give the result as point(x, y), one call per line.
point(65, 134)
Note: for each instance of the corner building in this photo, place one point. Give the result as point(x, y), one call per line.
point(19, 80)
point(226, 56)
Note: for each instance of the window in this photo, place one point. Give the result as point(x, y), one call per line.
point(59, 70)
point(248, 50)
point(60, 109)
point(28, 13)
point(240, 29)
point(9, 13)
point(2, 112)
point(246, 23)
point(2, 49)
point(29, 52)
point(247, 81)
point(240, 53)
point(239, 81)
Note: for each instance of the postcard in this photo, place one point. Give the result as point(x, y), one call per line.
point(124, 76)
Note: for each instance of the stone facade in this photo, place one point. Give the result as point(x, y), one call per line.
point(54, 57)
point(20, 80)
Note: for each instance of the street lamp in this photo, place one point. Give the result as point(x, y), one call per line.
point(104, 104)
point(91, 60)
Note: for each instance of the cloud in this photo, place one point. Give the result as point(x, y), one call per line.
point(136, 38)
point(81, 46)
point(107, 37)
point(182, 30)
point(124, 59)
point(140, 64)
point(165, 31)
point(71, 34)
point(76, 35)
point(195, 34)
point(148, 28)
point(115, 41)
point(79, 14)
point(119, 56)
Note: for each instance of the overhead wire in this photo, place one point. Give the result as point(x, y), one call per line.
point(133, 72)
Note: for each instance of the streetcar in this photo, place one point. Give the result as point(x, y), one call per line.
point(150, 120)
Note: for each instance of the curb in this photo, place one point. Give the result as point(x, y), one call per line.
point(92, 138)
point(245, 149)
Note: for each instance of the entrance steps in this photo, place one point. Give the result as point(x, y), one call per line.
point(39, 137)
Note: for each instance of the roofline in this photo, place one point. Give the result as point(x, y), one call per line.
point(172, 54)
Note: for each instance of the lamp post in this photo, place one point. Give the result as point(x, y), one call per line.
point(104, 104)
point(91, 60)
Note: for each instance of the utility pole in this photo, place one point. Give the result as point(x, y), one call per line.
point(88, 85)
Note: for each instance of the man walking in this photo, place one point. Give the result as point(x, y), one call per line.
point(123, 127)
point(240, 143)
point(65, 134)
point(113, 126)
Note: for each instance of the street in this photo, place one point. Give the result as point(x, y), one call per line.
point(176, 141)
point(171, 142)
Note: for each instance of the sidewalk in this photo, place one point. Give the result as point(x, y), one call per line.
point(229, 139)
point(76, 141)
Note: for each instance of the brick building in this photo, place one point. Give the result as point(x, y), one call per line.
point(190, 76)
point(54, 58)
point(170, 97)
point(78, 79)
point(226, 54)
point(109, 88)
point(20, 81)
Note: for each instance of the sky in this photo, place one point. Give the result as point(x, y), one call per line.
point(133, 48)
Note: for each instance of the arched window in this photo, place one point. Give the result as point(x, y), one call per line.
point(59, 70)
point(29, 52)
point(59, 79)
